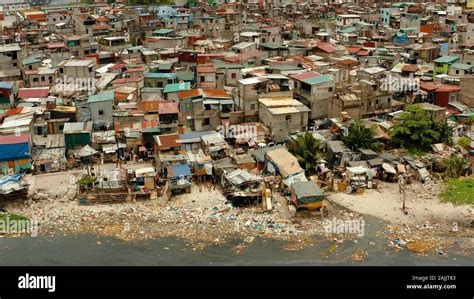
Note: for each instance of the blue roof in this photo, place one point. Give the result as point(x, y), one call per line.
point(161, 75)
point(6, 85)
point(181, 170)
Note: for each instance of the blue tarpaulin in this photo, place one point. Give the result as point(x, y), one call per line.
point(11, 178)
point(180, 170)
point(16, 151)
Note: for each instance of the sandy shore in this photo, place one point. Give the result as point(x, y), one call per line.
point(422, 204)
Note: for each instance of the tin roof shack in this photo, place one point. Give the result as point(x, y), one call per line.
point(307, 195)
point(144, 182)
point(357, 177)
point(13, 187)
point(200, 164)
point(52, 157)
point(337, 152)
point(280, 162)
point(215, 145)
point(241, 187)
point(15, 153)
point(101, 107)
point(77, 134)
point(244, 161)
point(179, 179)
point(284, 116)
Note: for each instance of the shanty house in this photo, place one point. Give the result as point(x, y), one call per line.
point(77, 134)
point(15, 152)
point(101, 107)
point(307, 195)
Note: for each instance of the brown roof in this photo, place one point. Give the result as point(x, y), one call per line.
point(168, 141)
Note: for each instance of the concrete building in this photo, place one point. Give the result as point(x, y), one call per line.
point(315, 91)
point(283, 116)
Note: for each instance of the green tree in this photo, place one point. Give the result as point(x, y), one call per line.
point(359, 136)
point(306, 149)
point(414, 129)
point(445, 131)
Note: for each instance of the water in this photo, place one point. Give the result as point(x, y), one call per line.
point(84, 250)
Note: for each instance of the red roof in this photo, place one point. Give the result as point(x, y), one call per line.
point(14, 139)
point(33, 93)
point(56, 45)
point(168, 141)
point(328, 48)
point(438, 87)
point(304, 76)
point(125, 80)
point(168, 107)
point(363, 53)
point(353, 49)
point(13, 111)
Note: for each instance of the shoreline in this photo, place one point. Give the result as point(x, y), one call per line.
point(204, 217)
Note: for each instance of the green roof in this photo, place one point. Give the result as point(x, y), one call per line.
point(349, 30)
point(318, 79)
point(462, 66)
point(151, 130)
point(160, 75)
point(165, 66)
point(273, 46)
point(446, 59)
point(100, 97)
point(185, 76)
point(163, 31)
point(31, 60)
point(175, 87)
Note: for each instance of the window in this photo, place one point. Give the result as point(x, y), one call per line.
point(35, 79)
point(101, 111)
point(288, 118)
point(252, 107)
point(203, 78)
point(233, 75)
point(457, 72)
point(389, 100)
point(330, 89)
point(206, 122)
point(61, 70)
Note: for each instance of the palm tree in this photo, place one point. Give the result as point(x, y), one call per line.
point(306, 149)
point(359, 136)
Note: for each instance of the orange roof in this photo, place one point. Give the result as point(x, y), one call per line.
point(189, 94)
point(215, 93)
point(206, 69)
point(208, 93)
point(168, 141)
point(148, 105)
